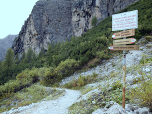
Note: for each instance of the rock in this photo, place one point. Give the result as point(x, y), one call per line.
point(129, 107)
point(110, 104)
point(144, 110)
point(58, 20)
point(49, 21)
point(136, 112)
point(5, 44)
point(116, 109)
point(111, 108)
point(99, 111)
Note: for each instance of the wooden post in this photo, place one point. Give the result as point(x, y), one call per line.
point(124, 75)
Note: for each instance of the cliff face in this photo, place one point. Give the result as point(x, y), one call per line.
point(49, 21)
point(58, 20)
point(5, 44)
point(84, 10)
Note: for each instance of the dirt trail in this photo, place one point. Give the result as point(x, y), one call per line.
point(58, 106)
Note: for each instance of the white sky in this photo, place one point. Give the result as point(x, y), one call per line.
point(13, 14)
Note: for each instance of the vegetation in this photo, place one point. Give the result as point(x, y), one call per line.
point(94, 43)
point(142, 95)
point(81, 81)
point(27, 96)
point(63, 59)
point(94, 21)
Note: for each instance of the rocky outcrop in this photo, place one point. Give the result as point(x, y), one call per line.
point(58, 20)
point(49, 21)
point(84, 10)
point(5, 44)
point(115, 108)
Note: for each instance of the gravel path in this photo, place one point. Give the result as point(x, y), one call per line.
point(58, 106)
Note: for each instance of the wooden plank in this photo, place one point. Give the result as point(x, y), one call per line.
point(124, 34)
point(124, 47)
point(124, 41)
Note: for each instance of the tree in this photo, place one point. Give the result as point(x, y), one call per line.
point(17, 60)
point(41, 53)
point(9, 58)
point(34, 57)
point(28, 55)
point(108, 32)
point(94, 21)
point(0, 65)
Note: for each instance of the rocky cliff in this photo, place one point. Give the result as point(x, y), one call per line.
point(5, 44)
point(84, 10)
point(57, 20)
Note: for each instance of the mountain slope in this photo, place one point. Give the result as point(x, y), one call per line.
point(5, 44)
point(109, 76)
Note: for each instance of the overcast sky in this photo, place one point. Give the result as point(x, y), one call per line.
point(13, 14)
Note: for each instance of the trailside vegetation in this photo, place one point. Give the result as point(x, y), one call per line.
point(63, 59)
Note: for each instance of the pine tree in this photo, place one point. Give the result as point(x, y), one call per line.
point(94, 21)
point(34, 57)
point(17, 60)
point(28, 55)
point(41, 53)
point(9, 58)
point(0, 65)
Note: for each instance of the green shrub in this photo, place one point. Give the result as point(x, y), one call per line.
point(142, 95)
point(81, 81)
point(116, 85)
point(9, 88)
point(53, 75)
point(24, 76)
point(48, 77)
point(65, 68)
point(94, 21)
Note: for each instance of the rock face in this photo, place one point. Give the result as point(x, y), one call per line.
point(84, 10)
point(58, 20)
point(50, 21)
point(5, 44)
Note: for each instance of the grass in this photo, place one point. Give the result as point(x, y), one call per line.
point(114, 74)
point(85, 90)
point(81, 81)
point(98, 100)
point(29, 95)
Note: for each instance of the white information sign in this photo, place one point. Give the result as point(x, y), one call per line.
point(126, 20)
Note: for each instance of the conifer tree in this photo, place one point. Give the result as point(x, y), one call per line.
point(28, 55)
point(94, 21)
point(0, 65)
point(9, 58)
point(41, 53)
point(17, 60)
point(34, 57)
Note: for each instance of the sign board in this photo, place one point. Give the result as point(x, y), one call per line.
point(123, 34)
point(124, 41)
point(126, 20)
point(124, 47)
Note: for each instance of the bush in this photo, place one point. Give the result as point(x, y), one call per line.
point(81, 81)
point(94, 21)
point(24, 76)
point(142, 95)
point(116, 85)
point(65, 68)
point(46, 75)
point(10, 87)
